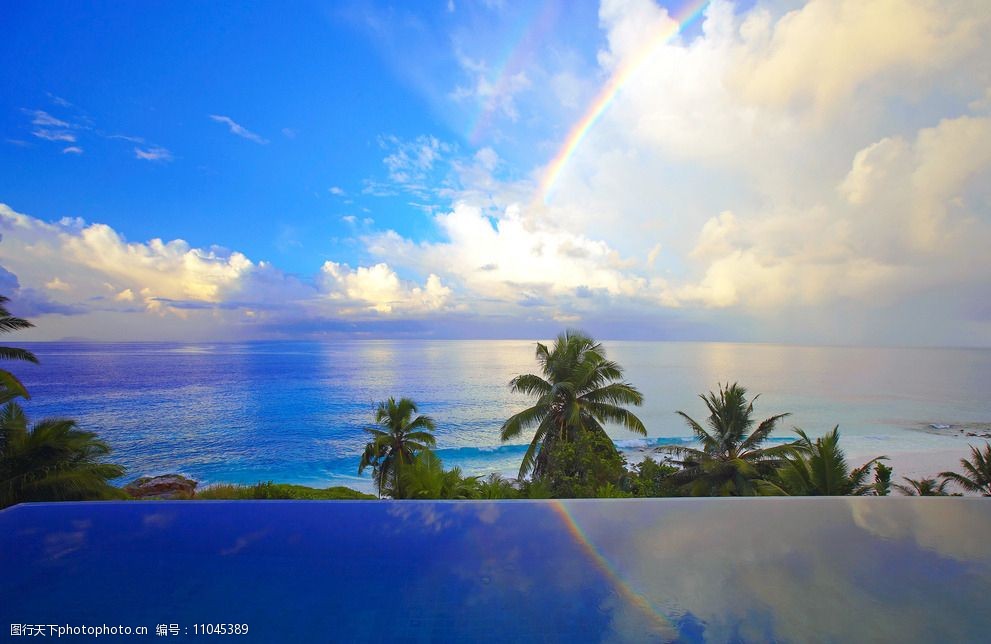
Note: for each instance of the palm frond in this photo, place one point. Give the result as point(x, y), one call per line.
point(11, 353)
point(12, 387)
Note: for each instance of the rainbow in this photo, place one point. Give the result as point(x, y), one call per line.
point(690, 12)
point(530, 31)
point(660, 623)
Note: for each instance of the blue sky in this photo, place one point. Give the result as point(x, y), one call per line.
point(778, 171)
point(322, 86)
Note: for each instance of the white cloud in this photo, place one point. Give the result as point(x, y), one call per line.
point(336, 191)
point(856, 186)
point(153, 154)
point(378, 288)
point(72, 149)
point(214, 292)
point(493, 95)
point(44, 119)
point(823, 53)
point(238, 129)
point(55, 135)
point(55, 284)
point(410, 162)
point(510, 257)
point(127, 295)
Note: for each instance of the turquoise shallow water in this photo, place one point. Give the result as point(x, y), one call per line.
point(293, 412)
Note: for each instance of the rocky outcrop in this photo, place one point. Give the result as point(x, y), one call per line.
point(166, 486)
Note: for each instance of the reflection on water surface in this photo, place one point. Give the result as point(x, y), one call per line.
point(620, 570)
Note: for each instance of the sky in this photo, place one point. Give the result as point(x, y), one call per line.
point(764, 171)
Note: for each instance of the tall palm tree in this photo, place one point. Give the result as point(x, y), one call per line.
point(978, 471)
point(579, 391)
point(10, 386)
point(52, 460)
point(731, 456)
point(923, 487)
point(395, 443)
point(819, 468)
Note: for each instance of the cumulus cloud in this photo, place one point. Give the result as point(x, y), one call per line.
point(813, 173)
point(821, 54)
point(30, 302)
point(171, 289)
point(378, 288)
point(238, 129)
point(510, 266)
point(785, 184)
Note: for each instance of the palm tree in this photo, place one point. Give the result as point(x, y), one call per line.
point(579, 391)
point(731, 455)
point(395, 443)
point(494, 486)
point(923, 487)
point(819, 468)
point(978, 471)
point(10, 386)
point(52, 460)
point(426, 478)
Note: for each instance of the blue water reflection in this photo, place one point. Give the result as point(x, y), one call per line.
point(620, 570)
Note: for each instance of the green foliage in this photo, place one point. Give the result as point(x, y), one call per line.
point(494, 486)
point(731, 459)
point(395, 443)
point(272, 490)
point(653, 479)
point(580, 467)
point(10, 386)
point(882, 479)
point(977, 471)
point(536, 489)
point(819, 468)
point(426, 478)
point(578, 392)
point(51, 460)
point(924, 487)
point(611, 491)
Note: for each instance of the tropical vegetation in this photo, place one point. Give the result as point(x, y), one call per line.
point(732, 455)
point(577, 392)
point(576, 395)
point(51, 460)
point(819, 468)
point(923, 487)
point(270, 490)
point(395, 443)
point(10, 385)
point(977, 472)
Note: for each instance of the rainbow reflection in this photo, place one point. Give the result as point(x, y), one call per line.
point(624, 74)
point(660, 623)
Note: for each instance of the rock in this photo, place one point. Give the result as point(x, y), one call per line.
point(166, 486)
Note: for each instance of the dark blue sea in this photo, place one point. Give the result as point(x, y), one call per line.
point(294, 412)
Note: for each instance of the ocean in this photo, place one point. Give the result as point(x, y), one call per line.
point(294, 411)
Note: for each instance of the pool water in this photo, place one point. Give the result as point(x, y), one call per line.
point(840, 569)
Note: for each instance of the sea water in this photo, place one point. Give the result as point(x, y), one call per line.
point(295, 412)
